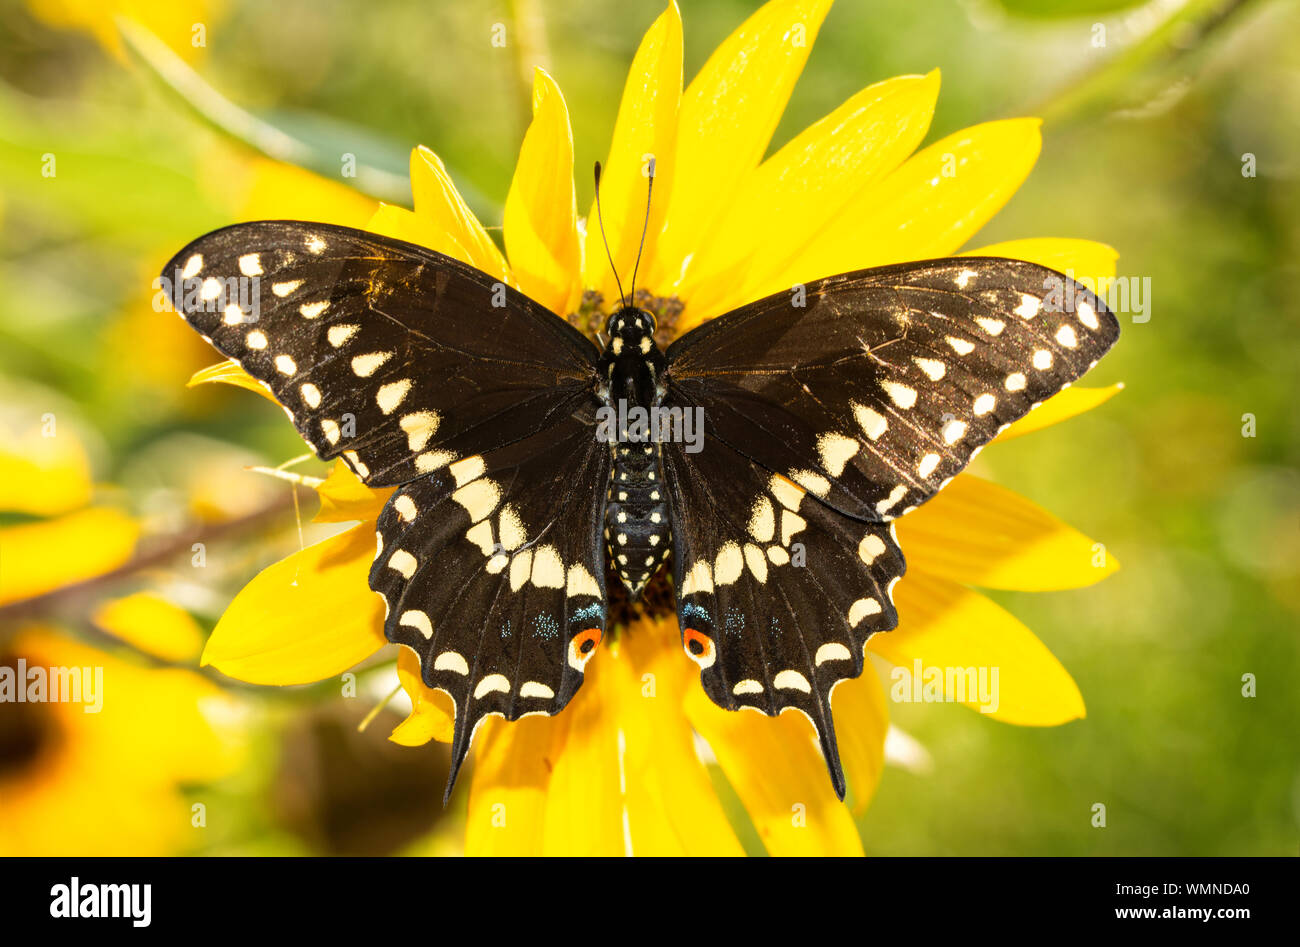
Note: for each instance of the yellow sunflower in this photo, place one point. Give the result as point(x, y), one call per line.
point(108, 781)
point(620, 769)
point(101, 773)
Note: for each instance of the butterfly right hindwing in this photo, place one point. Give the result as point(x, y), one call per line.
point(492, 572)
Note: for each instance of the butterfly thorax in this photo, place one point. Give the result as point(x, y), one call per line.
point(637, 535)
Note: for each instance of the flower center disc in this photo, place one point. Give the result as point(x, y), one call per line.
point(26, 730)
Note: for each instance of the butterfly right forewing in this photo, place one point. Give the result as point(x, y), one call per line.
point(476, 402)
point(395, 357)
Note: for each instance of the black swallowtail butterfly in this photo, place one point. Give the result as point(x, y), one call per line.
point(825, 413)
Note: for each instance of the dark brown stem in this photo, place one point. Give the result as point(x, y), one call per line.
point(67, 604)
point(156, 553)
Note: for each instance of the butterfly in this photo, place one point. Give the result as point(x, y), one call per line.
point(766, 454)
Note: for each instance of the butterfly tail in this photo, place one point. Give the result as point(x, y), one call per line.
point(460, 743)
point(830, 749)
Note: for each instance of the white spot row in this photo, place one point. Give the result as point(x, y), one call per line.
point(454, 662)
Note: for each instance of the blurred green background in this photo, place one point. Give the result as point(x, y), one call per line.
point(1147, 158)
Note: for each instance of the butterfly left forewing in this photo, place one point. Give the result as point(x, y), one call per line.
point(827, 413)
point(874, 388)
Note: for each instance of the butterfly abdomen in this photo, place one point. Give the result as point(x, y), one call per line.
point(636, 517)
point(637, 535)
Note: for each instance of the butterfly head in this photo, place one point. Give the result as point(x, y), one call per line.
point(631, 333)
point(631, 325)
point(633, 363)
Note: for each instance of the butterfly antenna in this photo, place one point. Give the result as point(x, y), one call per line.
point(645, 227)
point(600, 217)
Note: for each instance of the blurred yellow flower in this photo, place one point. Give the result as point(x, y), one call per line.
point(619, 770)
point(81, 779)
point(44, 472)
point(181, 25)
point(43, 475)
point(100, 773)
point(153, 625)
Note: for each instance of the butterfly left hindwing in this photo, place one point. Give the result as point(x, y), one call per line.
point(777, 593)
point(825, 421)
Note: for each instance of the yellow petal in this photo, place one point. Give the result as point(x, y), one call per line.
point(672, 806)
point(628, 735)
point(433, 712)
point(720, 291)
point(402, 224)
point(861, 722)
point(794, 194)
point(541, 226)
point(646, 128)
point(278, 191)
point(43, 476)
point(776, 769)
point(927, 208)
point(1085, 261)
point(41, 557)
point(508, 795)
point(230, 373)
point(308, 617)
point(584, 798)
point(152, 624)
point(945, 625)
point(979, 533)
point(438, 201)
point(1060, 407)
point(344, 498)
point(726, 120)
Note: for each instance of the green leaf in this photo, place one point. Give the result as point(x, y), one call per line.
point(314, 142)
point(1060, 9)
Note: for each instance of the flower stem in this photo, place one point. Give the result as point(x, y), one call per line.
point(62, 600)
point(530, 50)
point(1110, 85)
point(225, 116)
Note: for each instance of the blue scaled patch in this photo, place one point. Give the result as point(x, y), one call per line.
point(735, 621)
point(546, 627)
point(691, 611)
point(588, 614)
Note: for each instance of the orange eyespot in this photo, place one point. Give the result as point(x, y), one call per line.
point(582, 646)
point(699, 647)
